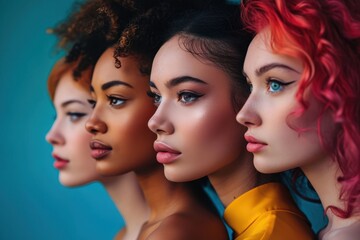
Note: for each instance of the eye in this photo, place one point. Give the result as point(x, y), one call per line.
point(250, 86)
point(276, 86)
point(75, 116)
point(156, 97)
point(116, 101)
point(188, 97)
point(92, 103)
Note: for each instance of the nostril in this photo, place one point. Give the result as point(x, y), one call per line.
point(93, 131)
point(158, 131)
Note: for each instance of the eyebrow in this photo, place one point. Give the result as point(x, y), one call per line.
point(64, 104)
point(115, 83)
point(270, 66)
point(178, 80)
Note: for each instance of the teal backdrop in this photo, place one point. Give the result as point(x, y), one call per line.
point(33, 203)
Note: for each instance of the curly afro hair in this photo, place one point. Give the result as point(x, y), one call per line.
point(134, 27)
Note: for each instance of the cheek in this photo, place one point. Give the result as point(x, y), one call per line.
point(215, 128)
point(80, 142)
point(135, 121)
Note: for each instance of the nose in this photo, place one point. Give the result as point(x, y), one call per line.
point(54, 136)
point(159, 123)
point(248, 114)
point(95, 125)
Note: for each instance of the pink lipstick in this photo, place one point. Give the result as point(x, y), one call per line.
point(59, 162)
point(99, 150)
point(254, 145)
point(165, 154)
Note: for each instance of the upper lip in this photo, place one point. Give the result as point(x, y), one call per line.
point(251, 139)
point(58, 158)
point(96, 144)
point(162, 147)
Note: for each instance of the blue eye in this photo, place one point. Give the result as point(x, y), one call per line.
point(116, 101)
point(188, 97)
point(156, 97)
point(275, 86)
point(75, 116)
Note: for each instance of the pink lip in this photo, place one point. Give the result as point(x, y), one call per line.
point(59, 162)
point(99, 150)
point(254, 145)
point(165, 154)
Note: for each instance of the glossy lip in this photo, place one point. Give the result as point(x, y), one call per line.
point(59, 162)
point(99, 150)
point(254, 145)
point(165, 153)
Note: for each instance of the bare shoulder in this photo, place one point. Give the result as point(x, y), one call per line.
point(184, 226)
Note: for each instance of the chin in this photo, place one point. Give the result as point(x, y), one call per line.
point(176, 177)
point(69, 182)
point(106, 169)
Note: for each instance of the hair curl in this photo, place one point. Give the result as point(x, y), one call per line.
point(325, 35)
point(146, 32)
point(212, 34)
point(94, 26)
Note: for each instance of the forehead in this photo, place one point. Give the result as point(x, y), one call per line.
point(260, 53)
point(173, 60)
point(105, 69)
point(68, 88)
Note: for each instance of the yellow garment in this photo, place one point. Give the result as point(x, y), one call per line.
point(267, 212)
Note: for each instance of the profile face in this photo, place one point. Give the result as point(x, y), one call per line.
point(121, 140)
point(68, 135)
point(197, 134)
point(277, 146)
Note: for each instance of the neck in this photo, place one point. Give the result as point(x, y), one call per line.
point(163, 196)
point(236, 179)
point(127, 196)
point(323, 175)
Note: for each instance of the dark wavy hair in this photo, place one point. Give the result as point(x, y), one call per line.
point(325, 35)
point(146, 32)
point(214, 34)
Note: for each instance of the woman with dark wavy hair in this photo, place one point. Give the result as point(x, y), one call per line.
point(304, 108)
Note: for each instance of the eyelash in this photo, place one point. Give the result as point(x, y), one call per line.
point(75, 116)
point(92, 103)
point(113, 99)
point(194, 96)
point(155, 97)
point(268, 85)
point(181, 95)
point(280, 84)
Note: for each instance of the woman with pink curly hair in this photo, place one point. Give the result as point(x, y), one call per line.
point(304, 108)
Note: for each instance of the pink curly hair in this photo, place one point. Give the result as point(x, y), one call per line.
point(325, 35)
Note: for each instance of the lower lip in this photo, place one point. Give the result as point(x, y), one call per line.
point(166, 157)
point(59, 164)
point(255, 147)
point(99, 154)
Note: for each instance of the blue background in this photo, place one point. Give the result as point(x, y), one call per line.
point(33, 203)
